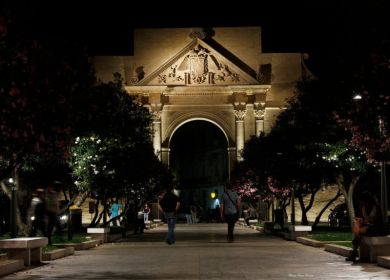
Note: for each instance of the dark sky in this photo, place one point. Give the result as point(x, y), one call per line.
point(106, 26)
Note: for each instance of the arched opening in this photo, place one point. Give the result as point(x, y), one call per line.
point(199, 162)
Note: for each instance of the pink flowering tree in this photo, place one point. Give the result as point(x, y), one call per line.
point(367, 120)
point(245, 185)
point(38, 83)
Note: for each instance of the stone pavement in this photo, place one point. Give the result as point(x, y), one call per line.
point(201, 252)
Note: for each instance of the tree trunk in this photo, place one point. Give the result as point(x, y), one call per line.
point(348, 194)
point(304, 220)
point(317, 220)
point(96, 213)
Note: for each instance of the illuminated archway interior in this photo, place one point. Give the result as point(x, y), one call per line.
point(199, 162)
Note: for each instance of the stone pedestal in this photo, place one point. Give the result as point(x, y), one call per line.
point(99, 234)
point(298, 231)
point(372, 247)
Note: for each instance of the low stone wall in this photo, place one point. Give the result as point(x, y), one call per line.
point(310, 242)
point(10, 266)
point(80, 246)
point(338, 249)
point(56, 254)
point(372, 247)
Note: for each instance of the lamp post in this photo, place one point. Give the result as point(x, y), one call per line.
point(383, 177)
point(158, 207)
point(383, 190)
point(13, 208)
point(293, 207)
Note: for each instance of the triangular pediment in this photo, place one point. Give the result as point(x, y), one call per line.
point(198, 64)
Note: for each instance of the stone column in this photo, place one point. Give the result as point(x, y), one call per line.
point(165, 155)
point(232, 157)
point(240, 133)
point(156, 116)
point(259, 111)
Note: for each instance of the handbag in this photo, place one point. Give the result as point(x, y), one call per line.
point(234, 203)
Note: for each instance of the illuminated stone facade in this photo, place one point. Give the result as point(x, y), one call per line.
point(219, 75)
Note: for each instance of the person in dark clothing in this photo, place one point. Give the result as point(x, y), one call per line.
point(251, 214)
point(139, 224)
point(52, 211)
point(229, 209)
point(169, 205)
point(368, 222)
point(4, 212)
point(37, 213)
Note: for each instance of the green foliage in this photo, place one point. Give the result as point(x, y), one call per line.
point(342, 157)
point(331, 236)
point(114, 155)
point(39, 80)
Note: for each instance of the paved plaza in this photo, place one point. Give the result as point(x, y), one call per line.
point(201, 252)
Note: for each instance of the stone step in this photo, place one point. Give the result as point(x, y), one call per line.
point(310, 242)
point(56, 254)
point(338, 249)
point(3, 257)
point(383, 261)
point(10, 266)
point(80, 246)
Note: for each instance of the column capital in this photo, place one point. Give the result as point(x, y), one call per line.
point(240, 114)
point(156, 116)
point(259, 114)
point(155, 111)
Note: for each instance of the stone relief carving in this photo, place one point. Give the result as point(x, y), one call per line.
point(198, 67)
point(133, 80)
point(197, 34)
point(264, 74)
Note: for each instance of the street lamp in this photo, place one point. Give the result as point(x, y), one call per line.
point(383, 193)
point(13, 207)
point(383, 176)
point(293, 207)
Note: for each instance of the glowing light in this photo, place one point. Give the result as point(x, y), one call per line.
point(213, 195)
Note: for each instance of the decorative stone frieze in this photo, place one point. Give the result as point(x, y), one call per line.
point(200, 65)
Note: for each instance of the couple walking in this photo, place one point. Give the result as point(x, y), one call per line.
point(170, 204)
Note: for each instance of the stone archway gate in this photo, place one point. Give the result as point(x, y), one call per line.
point(219, 75)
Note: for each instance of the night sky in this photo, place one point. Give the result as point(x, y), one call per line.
point(106, 26)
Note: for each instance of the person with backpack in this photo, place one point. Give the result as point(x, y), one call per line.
point(169, 205)
point(229, 209)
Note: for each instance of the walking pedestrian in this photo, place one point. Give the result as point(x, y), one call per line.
point(53, 210)
point(146, 211)
point(115, 211)
point(37, 213)
point(229, 209)
point(169, 205)
point(139, 225)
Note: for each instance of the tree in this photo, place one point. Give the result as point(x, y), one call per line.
point(368, 119)
point(39, 80)
point(114, 156)
point(346, 167)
